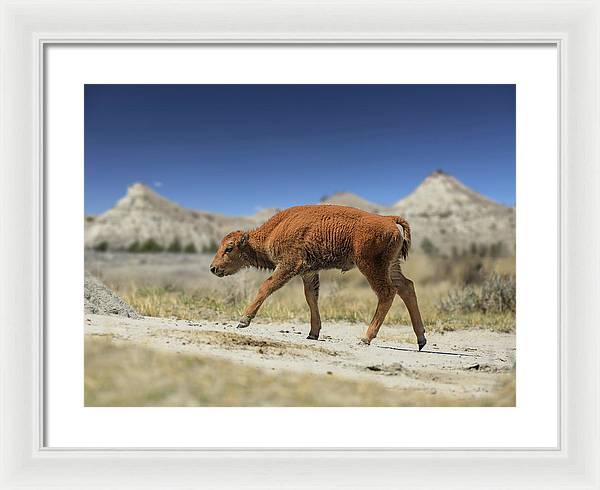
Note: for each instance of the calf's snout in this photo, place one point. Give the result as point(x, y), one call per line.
point(216, 271)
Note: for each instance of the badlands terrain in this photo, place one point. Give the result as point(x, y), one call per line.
point(441, 209)
point(160, 330)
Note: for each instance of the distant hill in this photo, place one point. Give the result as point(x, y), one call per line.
point(453, 217)
point(142, 214)
point(352, 200)
point(445, 216)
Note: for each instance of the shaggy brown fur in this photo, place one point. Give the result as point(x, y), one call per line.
point(306, 239)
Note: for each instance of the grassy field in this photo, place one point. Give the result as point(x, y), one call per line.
point(132, 375)
point(453, 294)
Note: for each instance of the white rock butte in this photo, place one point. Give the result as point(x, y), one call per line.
point(441, 209)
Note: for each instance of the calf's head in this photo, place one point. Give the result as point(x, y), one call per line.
point(229, 257)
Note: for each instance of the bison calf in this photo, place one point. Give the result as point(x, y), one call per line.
point(306, 239)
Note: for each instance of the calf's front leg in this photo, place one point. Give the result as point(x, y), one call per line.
point(279, 277)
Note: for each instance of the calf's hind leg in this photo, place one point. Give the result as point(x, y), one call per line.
point(380, 283)
point(311, 292)
point(406, 290)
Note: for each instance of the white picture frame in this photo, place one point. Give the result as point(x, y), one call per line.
point(574, 27)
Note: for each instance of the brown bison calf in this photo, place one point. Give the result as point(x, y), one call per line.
point(306, 239)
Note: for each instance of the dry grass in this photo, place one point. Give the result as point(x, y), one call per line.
point(166, 286)
point(127, 375)
point(350, 304)
point(343, 296)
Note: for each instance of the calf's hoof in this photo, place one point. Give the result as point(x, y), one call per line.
point(422, 343)
point(312, 337)
point(244, 322)
point(364, 341)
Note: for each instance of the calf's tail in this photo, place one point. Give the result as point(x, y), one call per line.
point(404, 227)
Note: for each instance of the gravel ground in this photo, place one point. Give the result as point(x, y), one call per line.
point(465, 363)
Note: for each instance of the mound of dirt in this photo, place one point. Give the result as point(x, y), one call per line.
point(100, 300)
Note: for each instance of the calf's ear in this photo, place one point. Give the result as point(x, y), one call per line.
point(243, 239)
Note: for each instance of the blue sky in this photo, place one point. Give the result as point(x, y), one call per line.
point(237, 148)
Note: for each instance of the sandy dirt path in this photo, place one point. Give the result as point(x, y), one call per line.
point(465, 362)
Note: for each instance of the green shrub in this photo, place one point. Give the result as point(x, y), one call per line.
point(429, 248)
point(497, 294)
point(134, 247)
point(151, 246)
point(175, 246)
point(101, 247)
point(497, 249)
point(190, 249)
point(471, 271)
point(211, 247)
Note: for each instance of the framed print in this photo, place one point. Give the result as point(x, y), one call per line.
point(250, 244)
point(132, 249)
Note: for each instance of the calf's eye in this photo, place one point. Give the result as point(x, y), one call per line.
point(228, 249)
